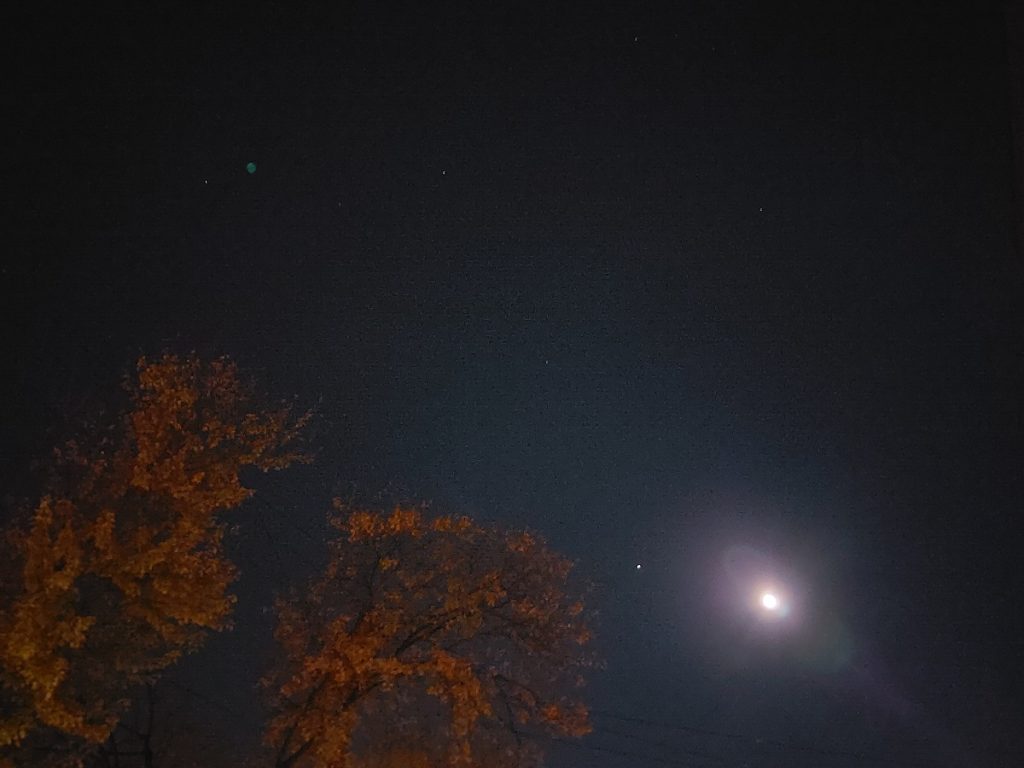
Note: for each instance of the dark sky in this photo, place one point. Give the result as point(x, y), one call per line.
point(681, 285)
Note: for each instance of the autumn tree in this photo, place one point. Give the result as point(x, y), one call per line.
point(120, 568)
point(428, 625)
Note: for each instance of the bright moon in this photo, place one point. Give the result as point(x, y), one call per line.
point(769, 601)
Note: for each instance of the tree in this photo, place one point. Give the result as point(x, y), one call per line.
point(435, 625)
point(120, 569)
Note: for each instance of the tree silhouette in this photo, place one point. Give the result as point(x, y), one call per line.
point(120, 568)
point(434, 625)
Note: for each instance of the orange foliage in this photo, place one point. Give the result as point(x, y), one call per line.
point(121, 569)
point(397, 758)
point(414, 613)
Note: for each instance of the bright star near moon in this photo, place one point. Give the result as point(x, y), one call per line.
point(769, 601)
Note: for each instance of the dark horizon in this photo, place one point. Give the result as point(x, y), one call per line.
point(669, 285)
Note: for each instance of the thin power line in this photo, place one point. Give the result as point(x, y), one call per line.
point(672, 726)
point(784, 745)
point(578, 745)
point(624, 753)
point(657, 743)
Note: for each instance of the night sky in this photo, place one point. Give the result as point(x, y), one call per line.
point(705, 287)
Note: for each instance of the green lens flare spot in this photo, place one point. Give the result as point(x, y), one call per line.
point(251, 168)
